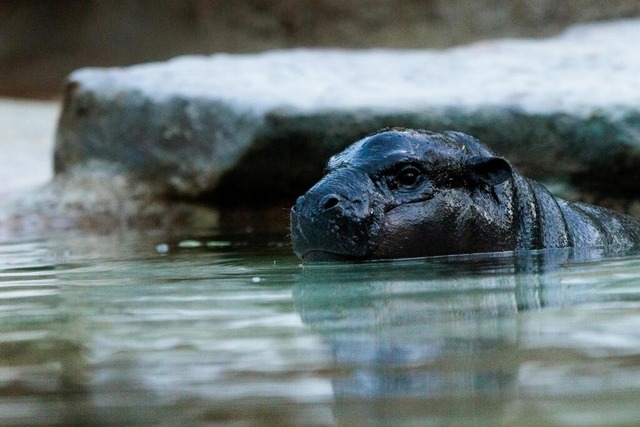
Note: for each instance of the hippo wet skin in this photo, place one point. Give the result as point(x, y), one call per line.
point(412, 193)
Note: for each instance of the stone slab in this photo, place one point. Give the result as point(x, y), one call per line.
point(256, 129)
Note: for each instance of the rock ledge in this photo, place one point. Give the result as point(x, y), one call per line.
point(256, 129)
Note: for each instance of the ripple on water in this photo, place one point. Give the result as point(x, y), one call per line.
point(128, 333)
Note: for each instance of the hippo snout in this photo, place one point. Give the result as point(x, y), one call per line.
point(336, 219)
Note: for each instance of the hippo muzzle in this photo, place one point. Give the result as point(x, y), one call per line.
point(338, 219)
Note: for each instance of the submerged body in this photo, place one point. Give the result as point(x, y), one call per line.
point(407, 193)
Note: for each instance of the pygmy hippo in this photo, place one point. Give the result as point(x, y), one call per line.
point(411, 193)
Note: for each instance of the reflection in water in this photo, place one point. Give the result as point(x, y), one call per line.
point(97, 333)
point(450, 330)
point(114, 331)
point(43, 342)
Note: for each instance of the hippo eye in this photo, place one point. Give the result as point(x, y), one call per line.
point(408, 176)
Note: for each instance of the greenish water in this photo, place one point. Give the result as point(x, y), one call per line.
point(233, 330)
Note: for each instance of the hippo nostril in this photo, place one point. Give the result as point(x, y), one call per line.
point(329, 202)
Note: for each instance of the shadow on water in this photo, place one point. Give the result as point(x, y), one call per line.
point(463, 337)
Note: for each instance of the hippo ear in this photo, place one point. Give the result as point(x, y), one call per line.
point(490, 170)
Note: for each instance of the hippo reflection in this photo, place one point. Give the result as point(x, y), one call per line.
point(412, 193)
point(439, 331)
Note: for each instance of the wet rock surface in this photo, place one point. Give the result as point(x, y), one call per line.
point(257, 129)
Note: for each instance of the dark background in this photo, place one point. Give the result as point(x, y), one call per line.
point(41, 41)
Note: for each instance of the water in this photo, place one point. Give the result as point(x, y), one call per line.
point(233, 330)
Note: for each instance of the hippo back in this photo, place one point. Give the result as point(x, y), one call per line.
point(545, 221)
point(590, 225)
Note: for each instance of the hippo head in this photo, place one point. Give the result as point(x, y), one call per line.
point(405, 193)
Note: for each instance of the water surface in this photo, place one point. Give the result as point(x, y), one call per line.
point(232, 329)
